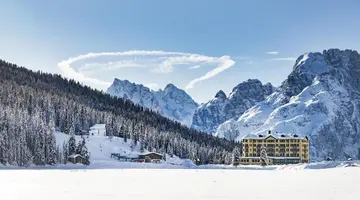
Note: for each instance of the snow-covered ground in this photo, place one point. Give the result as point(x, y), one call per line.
point(181, 184)
point(101, 147)
point(108, 179)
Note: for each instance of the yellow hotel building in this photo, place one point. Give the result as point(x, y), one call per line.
point(281, 148)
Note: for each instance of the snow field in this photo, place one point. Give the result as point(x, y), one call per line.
point(180, 184)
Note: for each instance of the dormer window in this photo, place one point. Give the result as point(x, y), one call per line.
point(282, 135)
point(261, 135)
point(295, 135)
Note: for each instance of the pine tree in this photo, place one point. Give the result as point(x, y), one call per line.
point(3, 149)
point(51, 144)
point(72, 145)
point(79, 146)
point(65, 152)
point(142, 149)
point(59, 156)
point(236, 156)
point(125, 137)
point(85, 153)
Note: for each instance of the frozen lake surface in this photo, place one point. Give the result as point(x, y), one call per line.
point(181, 184)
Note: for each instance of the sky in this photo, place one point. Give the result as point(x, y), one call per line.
point(200, 46)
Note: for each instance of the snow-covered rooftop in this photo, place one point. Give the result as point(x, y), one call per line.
point(74, 155)
point(151, 153)
point(98, 126)
point(271, 157)
point(277, 135)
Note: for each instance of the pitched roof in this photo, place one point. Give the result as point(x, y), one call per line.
point(74, 155)
point(147, 153)
point(98, 126)
point(277, 135)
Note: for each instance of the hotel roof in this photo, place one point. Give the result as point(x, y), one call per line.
point(275, 134)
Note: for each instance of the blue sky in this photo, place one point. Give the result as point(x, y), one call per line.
point(201, 46)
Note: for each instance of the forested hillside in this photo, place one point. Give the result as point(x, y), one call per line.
point(32, 104)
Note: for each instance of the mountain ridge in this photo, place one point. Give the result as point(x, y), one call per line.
point(320, 99)
point(221, 108)
point(170, 102)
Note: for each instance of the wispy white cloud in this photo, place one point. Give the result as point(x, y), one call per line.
point(285, 59)
point(165, 62)
point(111, 65)
point(249, 62)
point(225, 64)
point(167, 65)
point(195, 67)
point(272, 52)
point(67, 70)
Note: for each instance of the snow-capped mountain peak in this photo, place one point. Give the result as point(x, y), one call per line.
point(211, 114)
point(171, 102)
point(221, 94)
point(320, 99)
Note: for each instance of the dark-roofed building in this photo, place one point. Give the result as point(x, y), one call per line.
point(77, 158)
point(151, 157)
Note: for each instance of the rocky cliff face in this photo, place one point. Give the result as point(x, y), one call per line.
point(245, 95)
point(171, 102)
point(320, 99)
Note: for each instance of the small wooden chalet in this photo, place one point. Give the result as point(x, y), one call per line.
point(77, 158)
point(151, 157)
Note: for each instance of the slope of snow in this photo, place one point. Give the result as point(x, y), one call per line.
point(171, 102)
point(177, 184)
point(320, 99)
point(101, 147)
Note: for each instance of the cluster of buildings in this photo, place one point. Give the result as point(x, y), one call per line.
point(274, 148)
point(149, 157)
point(266, 148)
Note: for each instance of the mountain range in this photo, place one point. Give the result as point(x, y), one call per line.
point(221, 108)
point(320, 99)
point(171, 102)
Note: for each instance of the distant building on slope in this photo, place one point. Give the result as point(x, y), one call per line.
point(281, 148)
point(98, 130)
point(151, 157)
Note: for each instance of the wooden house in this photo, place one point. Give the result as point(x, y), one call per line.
point(76, 158)
point(151, 157)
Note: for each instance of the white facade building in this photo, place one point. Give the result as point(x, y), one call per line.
point(98, 130)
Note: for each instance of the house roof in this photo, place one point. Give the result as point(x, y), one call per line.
point(98, 126)
point(277, 135)
point(74, 155)
point(147, 153)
